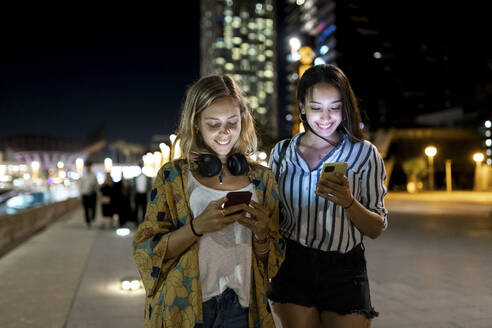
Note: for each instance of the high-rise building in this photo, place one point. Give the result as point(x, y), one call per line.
point(404, 60)
point(238, 37)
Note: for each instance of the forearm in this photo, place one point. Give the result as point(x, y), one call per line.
point(179, 241)
point(369, 223)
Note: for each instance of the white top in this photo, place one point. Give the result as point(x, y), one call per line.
point(319, 223)
point(224, 256)
point(88, 184)
point(141, 184)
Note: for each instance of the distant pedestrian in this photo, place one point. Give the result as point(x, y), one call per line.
point(108, 200)
point(142, 188)
point(122, 202)
point(88, 191)
point(323, 281)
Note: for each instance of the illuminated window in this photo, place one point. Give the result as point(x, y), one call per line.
point(261, 110)
point(236, 22)
point(252, 51)
point(229, 66)
point(251, 25)
point(237, 40)
point(269, 53)
point(236, 53)
point(261, 58)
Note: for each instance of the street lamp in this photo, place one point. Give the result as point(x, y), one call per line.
point(35, 170)
point(431, 151)
point(108, 164)
point(478, 158)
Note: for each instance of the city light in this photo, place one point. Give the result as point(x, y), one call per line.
point(295, 44)
point(60, 165)
point(377, 55)
point(478, 157)
point(79, 165)
point(35, 169)
point(324, 50)
point(319, 61)
point(488, 124)
point(431, 151)
point(122, 232)
point(108, 164)
point(129, 284)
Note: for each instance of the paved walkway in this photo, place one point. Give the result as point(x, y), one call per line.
point(68, 275)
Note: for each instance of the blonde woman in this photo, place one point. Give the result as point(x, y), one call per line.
point(203, 264)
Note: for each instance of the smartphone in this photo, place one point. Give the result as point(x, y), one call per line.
point(238, 197)
point(329, 169)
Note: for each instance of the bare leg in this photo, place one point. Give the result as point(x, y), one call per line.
point(334, 320)
point(295, 316)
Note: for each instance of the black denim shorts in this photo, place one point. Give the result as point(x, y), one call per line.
point(329, 281)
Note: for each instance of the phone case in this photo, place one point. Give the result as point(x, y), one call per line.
point(329, 170)
point(238, 197)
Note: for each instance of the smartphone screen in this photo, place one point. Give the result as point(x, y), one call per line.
point(238, 197)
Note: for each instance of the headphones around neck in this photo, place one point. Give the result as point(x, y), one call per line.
point(210, 165)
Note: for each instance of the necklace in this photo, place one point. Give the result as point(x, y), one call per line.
point(322, 155)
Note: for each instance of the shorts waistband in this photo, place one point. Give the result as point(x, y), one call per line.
point(355, 255)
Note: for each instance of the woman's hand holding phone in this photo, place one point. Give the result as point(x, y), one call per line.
point(215, 217)
point(258, 221)
point(334, 185)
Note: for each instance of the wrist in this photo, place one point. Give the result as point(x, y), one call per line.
point(194, 230)
point(350, 204)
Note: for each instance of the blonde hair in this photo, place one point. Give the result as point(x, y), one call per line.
point(198, 98)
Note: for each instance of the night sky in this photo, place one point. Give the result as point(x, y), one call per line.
point(66, 72)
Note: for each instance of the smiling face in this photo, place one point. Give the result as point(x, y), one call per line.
point(220, 125)
point(323, 110)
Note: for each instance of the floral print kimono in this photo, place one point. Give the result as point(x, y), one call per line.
point(173, 288)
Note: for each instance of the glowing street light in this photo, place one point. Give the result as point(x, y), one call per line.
point(431, 151)
point(108, 164)
point(79, 166)
point(478, 158)
point(35, 169)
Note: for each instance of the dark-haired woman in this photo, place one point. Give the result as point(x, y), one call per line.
point(323, 280)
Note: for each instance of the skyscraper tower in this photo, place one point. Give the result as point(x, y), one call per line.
point(238, 37)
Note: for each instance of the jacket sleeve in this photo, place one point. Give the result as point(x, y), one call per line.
point(150, 240)
point(277, 244)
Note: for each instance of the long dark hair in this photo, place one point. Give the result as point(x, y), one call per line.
point(335, 77)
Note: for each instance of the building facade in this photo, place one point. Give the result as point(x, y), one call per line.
point(238, 37)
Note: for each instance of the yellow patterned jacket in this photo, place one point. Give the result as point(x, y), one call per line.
point(173, 288)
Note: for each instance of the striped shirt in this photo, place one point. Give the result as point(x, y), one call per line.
point(313, 221)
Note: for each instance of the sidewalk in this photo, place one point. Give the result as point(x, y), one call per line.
point(471, 203)
point(69, 276)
